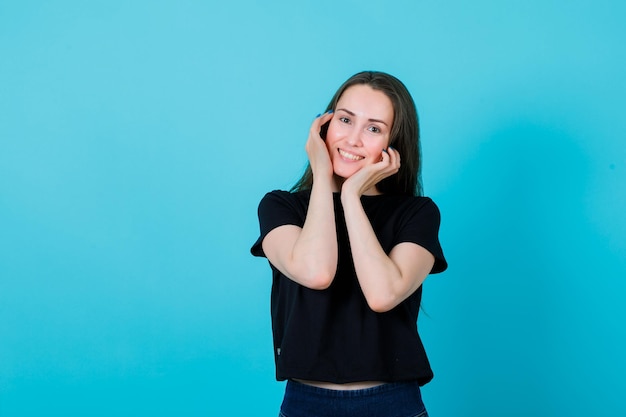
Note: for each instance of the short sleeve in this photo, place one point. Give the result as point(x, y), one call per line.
point(277, 208)
point(421, 226)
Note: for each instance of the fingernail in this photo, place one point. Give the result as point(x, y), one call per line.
point(330, 111)
point(391, 147)
point(385, 150)
point(318, 115)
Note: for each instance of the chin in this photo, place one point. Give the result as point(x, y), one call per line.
point(344, 174)
point(347, 169)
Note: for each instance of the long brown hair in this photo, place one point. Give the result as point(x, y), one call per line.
point(404, 135)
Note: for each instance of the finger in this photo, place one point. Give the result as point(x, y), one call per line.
point(388, 156)
point(320, 120)
point(389, 162)
point(384, 155)
point(324, 118)
point(394, 156)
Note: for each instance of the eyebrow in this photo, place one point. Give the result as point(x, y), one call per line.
point(371, 120)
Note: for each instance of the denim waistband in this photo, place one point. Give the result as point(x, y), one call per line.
point(394, 399)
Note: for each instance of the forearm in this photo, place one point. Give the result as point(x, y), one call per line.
point(315, 250)
point(380, 278)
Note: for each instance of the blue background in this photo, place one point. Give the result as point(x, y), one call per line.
point(137, 137)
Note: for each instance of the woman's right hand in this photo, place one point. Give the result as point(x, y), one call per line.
point(321, 165)
point(308, 255)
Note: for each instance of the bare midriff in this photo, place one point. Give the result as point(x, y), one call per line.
point(341, 387)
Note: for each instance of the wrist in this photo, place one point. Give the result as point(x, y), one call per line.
point(323, 185)
point(348, 196)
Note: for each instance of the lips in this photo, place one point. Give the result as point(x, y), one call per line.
point(350, 156)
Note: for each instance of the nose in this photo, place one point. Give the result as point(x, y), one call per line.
point(354, 137)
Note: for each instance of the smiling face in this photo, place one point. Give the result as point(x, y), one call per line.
point(359, 130)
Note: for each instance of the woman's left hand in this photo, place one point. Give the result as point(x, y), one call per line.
point(365, 179)
point(386, 279)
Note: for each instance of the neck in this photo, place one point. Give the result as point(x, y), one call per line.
point(338, 182)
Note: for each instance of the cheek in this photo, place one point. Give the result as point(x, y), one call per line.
point(329, 146)
point(332, 137)
point(331, 132)
point(386, 142)
point(376, 147)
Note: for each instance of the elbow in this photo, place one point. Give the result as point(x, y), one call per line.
point(319, 278)
point(381, 304)
point(320, 281)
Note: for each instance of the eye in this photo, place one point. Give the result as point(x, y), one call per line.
point(374, 129)
point(344, 120)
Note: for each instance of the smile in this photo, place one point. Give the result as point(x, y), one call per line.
point(350, 156)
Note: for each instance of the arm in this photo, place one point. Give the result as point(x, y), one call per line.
point(308, 255)
point(386, 280)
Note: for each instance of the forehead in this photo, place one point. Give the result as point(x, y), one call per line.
point(362, 99)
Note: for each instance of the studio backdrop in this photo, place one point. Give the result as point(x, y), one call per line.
point(137, 138)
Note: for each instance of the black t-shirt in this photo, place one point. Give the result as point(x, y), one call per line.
point(332, 335)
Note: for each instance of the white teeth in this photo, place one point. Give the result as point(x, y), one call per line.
point(350, 156)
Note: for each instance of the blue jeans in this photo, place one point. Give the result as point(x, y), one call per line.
point(396, 399)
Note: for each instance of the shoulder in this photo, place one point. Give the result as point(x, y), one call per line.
point(424, 204)
point(422, 209)
point(284, 204)
point(279, 208)
point(417, 220)
point(286, 197)
point(419, 205)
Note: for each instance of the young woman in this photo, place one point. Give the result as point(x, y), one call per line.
point(349, 247)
